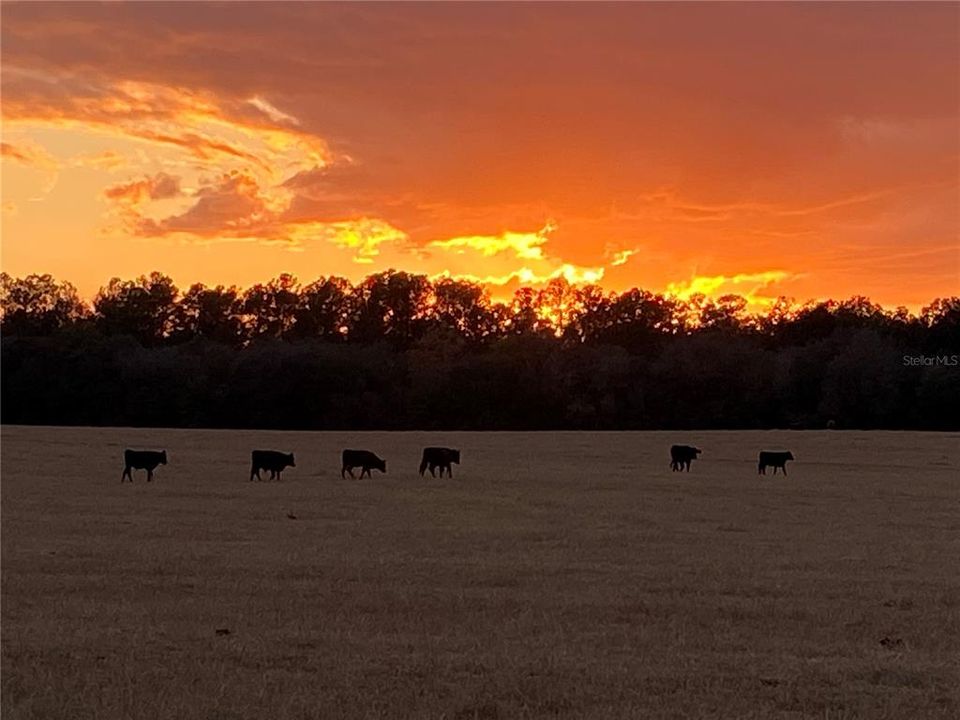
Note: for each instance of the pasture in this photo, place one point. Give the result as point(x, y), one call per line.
point(568, 575)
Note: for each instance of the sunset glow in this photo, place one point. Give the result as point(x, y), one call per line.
point(810, 151)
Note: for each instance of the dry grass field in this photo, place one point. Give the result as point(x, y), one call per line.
point(565, 575)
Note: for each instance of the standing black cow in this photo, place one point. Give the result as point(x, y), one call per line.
point(681, 456)
point(270, 460)
point(142, 460)
point(363, 459)
point(774, 459)
point(439, 457)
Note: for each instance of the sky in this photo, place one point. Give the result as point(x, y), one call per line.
point(805, 150)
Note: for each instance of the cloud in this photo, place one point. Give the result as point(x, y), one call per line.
point(231, 205)
point(621, 257)
point(526, 246)
point(508, 260)
point(501, 286)
point(33, 155)
point(747, 285)
point(234, 206)
point(363, 235)
point(158, 187)
point(209, 129)
point(108, 160)
point(30, 154)
point(272, 112)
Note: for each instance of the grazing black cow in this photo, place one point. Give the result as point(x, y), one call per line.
point(270, 460)
point(142, 460)
point(439, 457)
point(363, 459)
point(774, 459)
point(681, 456)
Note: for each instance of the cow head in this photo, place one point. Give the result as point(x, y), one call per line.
point(789, 456)
point(383, 466)
point(290, 461)
point(697, 451)
point(455, 456)
point(163, 457)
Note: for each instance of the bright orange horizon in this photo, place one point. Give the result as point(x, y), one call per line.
point(803, 150)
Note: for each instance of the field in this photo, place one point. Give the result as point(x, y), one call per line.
point(565, 575)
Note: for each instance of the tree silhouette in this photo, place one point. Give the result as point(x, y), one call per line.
point(464, 308)
point(270, 309)
point(141, 308)
point(37, 305)
point(725, 313)
point(400, 351)
point(390, 306)
point(213, 313)
point(323, 310)
point(522, 316)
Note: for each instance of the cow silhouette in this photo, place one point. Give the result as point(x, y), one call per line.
point(681, 456)
point(774, 460)
point(142, 460)
point(270, 460)
point(363, 459)
point(439, 457)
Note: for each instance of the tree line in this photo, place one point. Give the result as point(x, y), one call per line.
point(403, 351)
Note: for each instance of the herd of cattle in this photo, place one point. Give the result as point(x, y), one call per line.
point(682, 455)
point(433, 458)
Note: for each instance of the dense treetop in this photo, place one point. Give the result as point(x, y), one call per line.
point(399, 350)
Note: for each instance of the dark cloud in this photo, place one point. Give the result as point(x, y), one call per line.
point(231, 206)
point(158, 187)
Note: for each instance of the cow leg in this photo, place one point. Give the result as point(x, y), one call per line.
point(126, 474)
point(279, 473)
point(149, 475)
point(784, 468)
point(450, 471)
point(761, 470)
point(433, 470)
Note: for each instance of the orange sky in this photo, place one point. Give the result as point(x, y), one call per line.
point(808, 150)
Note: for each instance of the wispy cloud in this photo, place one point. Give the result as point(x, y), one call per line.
point(34, 156)
point(621, 257)
point(210, 130)
point(526, 246)
point(157, 187)
point(272, 112)
point(750, 286)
